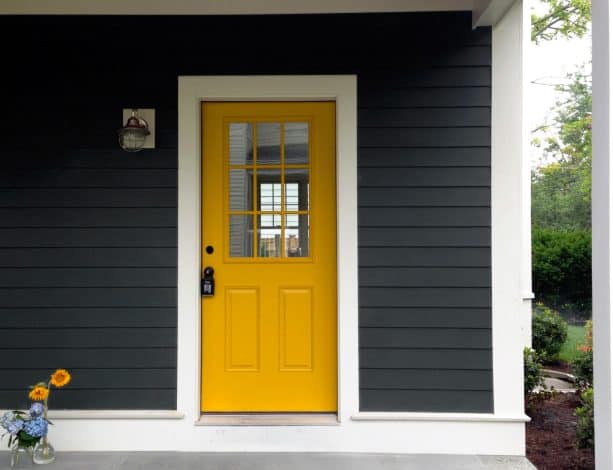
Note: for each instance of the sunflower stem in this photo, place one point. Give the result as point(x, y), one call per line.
point(46, 401)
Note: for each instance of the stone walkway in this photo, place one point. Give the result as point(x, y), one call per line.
point(267, 461)
point(559, 381)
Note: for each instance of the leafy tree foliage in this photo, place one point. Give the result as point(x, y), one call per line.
point(563, 18)
point(562, 267)
point(561, 190)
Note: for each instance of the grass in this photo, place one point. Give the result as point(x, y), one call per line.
point(569, 351)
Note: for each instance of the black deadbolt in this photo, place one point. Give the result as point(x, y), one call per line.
point(209, 250)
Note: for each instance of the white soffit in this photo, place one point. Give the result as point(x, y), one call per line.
point(223, 7)
point(489, 12)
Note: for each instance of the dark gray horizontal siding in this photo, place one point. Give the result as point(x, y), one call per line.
point(431, 317)
point(425, 277)
point(424, 237)
point(91, 158)
point(88, 256)
point(428, 157)
point(88, 233)
point(419, 379)
point(88, 277)
point(424, 257)
point(427, 197)
point(90, 379)
point(458, 401)
point(424, 216)
point(89, 338)
point(89, 317)
point(88, 217)
point(89, 197)
point(88, 297)
point(145, 398)
point(134, 377)
point(100, 257)
point(90, 358)
point(424, 358)
point(80, 237)
point(423, 177)
point(87, 383)
point(424, 297)
point(425, 97)
point(458, 76)
point(424, 137)
point(418, 118)
point(89, 178)
point(423, 338)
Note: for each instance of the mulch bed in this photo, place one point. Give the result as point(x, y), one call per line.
point(550, 436)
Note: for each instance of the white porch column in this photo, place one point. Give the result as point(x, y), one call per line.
point(511, 283)
point(601, 232)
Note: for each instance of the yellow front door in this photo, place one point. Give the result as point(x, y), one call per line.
point(269, 340)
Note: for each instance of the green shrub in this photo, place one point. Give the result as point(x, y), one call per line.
point(533, 378)
point(549, 332)
point(585, 420)
point(583, 364)
point(562, 267)
point(533, 371)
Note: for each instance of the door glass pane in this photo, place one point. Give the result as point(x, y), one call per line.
point(269, 235)
point(241, 190)
point(241, 236)
point(268, 135)
point(269, 190)
point(297, 189)
point(296, 143)
point(241, 143)
point(296, 236)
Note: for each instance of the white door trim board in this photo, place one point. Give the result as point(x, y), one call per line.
point(192, 92)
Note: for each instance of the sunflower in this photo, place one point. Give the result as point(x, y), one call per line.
point(39, 393)
point(60, 377)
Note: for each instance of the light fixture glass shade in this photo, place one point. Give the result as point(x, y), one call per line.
point(132, 136)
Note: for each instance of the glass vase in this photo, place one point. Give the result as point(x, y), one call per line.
point(44, 452)
point(20, 454)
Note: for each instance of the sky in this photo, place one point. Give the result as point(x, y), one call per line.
point(548, 64)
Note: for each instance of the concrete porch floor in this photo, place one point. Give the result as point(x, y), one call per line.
point(269, 461)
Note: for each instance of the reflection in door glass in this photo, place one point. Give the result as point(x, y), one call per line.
point(296, 143)
point(297, 189)
point(241, 236)
point(296, 236)
point(241, 143)
point(269, 190)
point(241, 192)
point(268, 136)
point(269, 235)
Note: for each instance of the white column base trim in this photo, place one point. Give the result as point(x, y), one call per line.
point(115, 414)
point(456, 417)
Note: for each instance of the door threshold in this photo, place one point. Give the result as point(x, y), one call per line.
point(268, 419)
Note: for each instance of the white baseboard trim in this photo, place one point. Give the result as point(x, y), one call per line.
point(457, 417)
point(115, 414)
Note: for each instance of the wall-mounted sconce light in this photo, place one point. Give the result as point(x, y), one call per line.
point(137, 133)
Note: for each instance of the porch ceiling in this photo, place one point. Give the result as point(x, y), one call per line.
point(485, 12)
